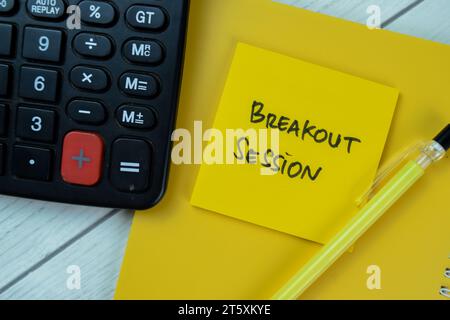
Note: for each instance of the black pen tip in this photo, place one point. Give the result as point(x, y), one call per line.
point(443, 138)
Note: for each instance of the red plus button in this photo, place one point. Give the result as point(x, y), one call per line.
point(82, 158)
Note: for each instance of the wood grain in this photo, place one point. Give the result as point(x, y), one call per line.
point(32, 230)
point(97, 255)
point(429, 20)
point(350, 9)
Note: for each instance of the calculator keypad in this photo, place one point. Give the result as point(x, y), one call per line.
point(82, 158)
point(146, 17)
point(97, 12)
point(88, 103)
point(4, 79)
point(143, 51)
point(35, 124)
point(138, 117)
point(88, 112)
point(53, 9)
point(42, 44)
point(38, 84)
point(130, 165)
point(89, 78)
point(6, 6)
point(6, 35)
point(2, 157)
point(139, 84)
point(3, 118)
point(32, 163)
point(93, 45)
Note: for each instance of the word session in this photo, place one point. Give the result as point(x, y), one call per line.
point(304, 132)
point(278, 163)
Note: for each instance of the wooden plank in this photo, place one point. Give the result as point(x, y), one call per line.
point(99, 253)
point(32, 230)
point(98, 256)
point(354, 10)
point(429, 20)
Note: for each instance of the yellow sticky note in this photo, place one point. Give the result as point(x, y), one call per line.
point(332, 128)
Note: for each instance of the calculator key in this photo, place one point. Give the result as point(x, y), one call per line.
point(138, 84)
point(82, 158)
point(7, 6)
point(146, 17)
point(89, 78)
point(38, 84)
point(32, 163)
point(130, 166)
point(92, 45)
point(49, 9)
point(4, 79)
point(136, 117)
point(35, 124)
point(2, 157)
point(6, 36)
point(97, 12)
point(42, 44)
point(143, 51)
point(3, 119)
point(88, 112)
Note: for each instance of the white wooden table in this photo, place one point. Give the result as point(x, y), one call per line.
point(40, 240)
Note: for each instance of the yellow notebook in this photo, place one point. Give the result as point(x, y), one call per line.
point(177, 251)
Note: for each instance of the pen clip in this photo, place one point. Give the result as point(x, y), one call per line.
point(386, 171)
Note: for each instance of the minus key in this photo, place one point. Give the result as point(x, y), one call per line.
point(86, 112)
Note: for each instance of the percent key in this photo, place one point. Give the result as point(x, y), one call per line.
point(96, 12)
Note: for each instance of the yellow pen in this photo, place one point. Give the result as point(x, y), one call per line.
point(406, 177)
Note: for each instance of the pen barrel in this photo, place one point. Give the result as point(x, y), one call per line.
point(359, 224)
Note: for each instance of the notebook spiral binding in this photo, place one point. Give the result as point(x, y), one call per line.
point(444, 291)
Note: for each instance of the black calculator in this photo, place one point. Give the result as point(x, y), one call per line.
point(88, 99)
